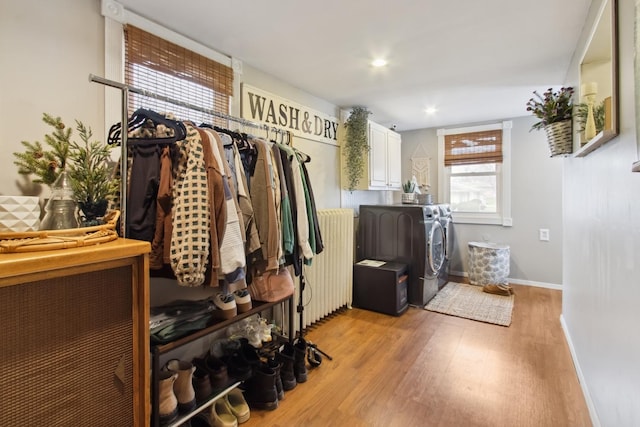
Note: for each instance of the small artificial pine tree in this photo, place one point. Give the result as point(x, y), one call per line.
point(90, 172)
point(46, 165)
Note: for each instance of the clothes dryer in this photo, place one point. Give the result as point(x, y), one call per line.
point(447, 226)
point(411, 234)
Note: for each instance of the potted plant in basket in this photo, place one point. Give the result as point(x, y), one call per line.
point(554, 109)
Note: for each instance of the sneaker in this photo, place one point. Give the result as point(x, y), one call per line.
point(225, 306)
point(243, 300)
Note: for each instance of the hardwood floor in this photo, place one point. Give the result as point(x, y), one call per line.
point(430, 369)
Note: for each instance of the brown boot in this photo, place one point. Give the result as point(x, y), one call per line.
point(183, 387)
point(168, 408)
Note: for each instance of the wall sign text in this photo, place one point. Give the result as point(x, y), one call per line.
point(264, 107)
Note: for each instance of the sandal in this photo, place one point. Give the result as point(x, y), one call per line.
point(496, 289)
point(506, 287)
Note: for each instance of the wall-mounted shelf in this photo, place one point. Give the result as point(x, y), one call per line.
point(596, 141)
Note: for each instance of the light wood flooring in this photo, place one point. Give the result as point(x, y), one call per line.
point(430, 369)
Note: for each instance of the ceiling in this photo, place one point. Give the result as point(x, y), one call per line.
point(471, 60)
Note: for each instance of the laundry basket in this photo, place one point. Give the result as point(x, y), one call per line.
point(488, 263)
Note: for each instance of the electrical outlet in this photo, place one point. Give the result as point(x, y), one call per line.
point(544, 234)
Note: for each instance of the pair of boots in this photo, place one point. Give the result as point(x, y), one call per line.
point(175, 390)
point(293, 369)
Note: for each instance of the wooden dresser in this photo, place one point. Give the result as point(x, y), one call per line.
point(74, 336)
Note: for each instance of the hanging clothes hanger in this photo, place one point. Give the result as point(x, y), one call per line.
point(142, 117)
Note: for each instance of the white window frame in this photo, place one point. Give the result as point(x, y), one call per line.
point(503, 177)
point(116, 16)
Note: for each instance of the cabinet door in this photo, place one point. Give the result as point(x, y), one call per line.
point(394, 160)
point(377, 156)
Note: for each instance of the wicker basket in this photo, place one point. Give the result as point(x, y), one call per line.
point(44, 240)
point(559, 136)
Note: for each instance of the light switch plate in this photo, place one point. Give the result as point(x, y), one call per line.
point(544, 234)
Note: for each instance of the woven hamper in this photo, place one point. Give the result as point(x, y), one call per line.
point(559, 137)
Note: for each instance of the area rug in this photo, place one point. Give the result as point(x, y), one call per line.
point(468, 301)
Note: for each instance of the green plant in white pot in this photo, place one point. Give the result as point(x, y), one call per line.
point(409, 192)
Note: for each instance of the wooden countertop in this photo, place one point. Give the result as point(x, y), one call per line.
point(16, 264)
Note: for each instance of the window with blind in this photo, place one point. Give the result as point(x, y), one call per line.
point(172, 71)
point(474, 161)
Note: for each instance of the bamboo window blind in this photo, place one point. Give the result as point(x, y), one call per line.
point(162, 67)
point(473, 148)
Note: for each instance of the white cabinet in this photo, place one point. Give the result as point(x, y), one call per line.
point(394, 162)
point(382, 170)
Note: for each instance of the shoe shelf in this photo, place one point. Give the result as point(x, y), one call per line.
point(159, 349)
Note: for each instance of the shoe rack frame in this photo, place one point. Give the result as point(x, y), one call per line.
point(160, 349)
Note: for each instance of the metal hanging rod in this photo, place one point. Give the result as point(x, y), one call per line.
point(150, 94)
point(125, 89)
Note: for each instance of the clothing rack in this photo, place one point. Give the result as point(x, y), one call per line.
point(125, 89)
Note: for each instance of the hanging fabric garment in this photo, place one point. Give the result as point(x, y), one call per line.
point(302, 222)
point(232, 256)
point(190, 236)
point(319, 245)
point(217, 210)
point(236, 169)
point(143, 190)
point(277, 200)
point(286, 219)
point(262, 189)
point(294, 258)
point(161, 244)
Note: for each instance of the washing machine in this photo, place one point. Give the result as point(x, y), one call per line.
point(410, 234)
point(446, 221)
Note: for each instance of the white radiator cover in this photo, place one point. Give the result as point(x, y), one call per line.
point(329, 279)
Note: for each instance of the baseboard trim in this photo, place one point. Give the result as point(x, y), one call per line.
point(583, 384)
point(517, 281)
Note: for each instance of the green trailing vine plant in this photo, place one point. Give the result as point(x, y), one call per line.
point(356, 145)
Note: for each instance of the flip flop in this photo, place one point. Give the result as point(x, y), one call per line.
point(496, 289)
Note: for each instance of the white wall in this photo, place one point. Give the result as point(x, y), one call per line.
point(536, 192)
point(601, 262)
point(46, 56)
point(325, 158)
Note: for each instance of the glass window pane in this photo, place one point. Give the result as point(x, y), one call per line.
point(175, 88)
point(474, 194)
point(483, 167)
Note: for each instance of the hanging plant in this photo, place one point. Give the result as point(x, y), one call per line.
point(356, 145)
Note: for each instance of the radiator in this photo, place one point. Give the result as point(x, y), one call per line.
point(329, 278)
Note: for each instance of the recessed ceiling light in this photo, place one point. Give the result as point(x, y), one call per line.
point(379, 62)
point(431, 110)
